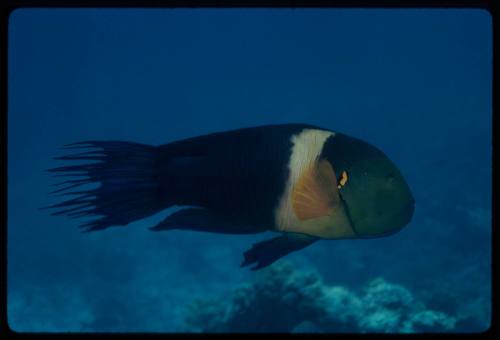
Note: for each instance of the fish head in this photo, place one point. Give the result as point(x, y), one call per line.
point(374, 194)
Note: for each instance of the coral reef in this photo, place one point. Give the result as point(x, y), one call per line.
point(284, 299)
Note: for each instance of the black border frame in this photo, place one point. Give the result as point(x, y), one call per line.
point(8, 6)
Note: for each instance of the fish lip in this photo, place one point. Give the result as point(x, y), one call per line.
point(410, 205)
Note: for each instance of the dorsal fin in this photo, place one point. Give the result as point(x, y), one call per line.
point(315, 193)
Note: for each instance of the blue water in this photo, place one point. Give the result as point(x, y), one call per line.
point(415, 83)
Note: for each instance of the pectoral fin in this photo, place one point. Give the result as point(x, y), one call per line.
point(315, 193)
point(266, 252)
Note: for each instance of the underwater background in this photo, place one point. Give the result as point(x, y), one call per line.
point(415, 83)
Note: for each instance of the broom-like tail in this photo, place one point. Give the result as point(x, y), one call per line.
point(128, 178)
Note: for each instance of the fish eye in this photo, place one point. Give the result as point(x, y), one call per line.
point(342, 180)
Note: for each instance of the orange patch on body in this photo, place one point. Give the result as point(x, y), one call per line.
point(314, 195)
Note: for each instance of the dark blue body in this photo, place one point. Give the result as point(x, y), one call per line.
point(240, 174)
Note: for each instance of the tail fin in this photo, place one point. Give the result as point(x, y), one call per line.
point(129, 188)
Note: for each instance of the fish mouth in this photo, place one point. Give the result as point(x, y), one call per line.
point(405, 214)
point(408, 211)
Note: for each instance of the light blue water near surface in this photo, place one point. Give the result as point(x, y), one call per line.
point(415, 83)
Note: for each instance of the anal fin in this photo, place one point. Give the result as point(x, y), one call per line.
point(200, 219)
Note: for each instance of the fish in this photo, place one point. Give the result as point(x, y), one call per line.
point(303, 182)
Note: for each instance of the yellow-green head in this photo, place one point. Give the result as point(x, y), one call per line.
point(375, 196)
